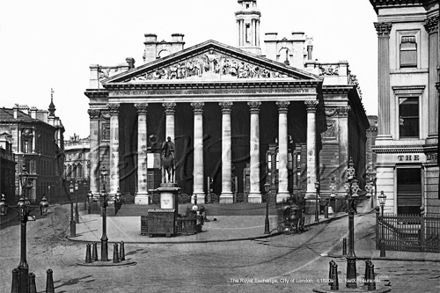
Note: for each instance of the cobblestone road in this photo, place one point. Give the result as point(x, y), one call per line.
point(285, 263)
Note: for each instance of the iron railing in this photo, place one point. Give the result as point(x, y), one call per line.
point(416, 233)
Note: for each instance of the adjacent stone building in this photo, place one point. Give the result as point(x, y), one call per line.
point(407, 140)
point(238, 118)
point(37, 143)
point(7, 168)
point(77, 163)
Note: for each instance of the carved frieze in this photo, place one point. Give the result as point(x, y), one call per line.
point(105, 131)
point(212, 65)
point(329, 112)
point(383, 29)
point(329, 70)
point(141, 108)
point(330, 132)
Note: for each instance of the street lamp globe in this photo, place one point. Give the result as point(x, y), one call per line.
point(267, 187)
point(71, 188)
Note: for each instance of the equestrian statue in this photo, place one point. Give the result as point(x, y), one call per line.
point(168, 161)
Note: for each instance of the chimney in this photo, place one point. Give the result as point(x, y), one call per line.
point(15, 111)
point(34, 112)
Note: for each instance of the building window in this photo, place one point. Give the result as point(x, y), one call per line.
point(409, 191)
point(408, 51)
point(409, 117)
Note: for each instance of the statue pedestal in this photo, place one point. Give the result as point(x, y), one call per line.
point(168, 196)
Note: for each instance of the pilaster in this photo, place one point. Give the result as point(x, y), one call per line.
point(114, 150)
point(383, 33)
point(94, 151)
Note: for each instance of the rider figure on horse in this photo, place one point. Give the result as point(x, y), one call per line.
point(167, 158)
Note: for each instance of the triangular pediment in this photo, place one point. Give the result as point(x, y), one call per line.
point(212, 61)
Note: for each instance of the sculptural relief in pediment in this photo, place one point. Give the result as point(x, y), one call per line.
point(210, 65)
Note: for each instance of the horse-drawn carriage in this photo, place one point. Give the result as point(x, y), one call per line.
point(291, 217)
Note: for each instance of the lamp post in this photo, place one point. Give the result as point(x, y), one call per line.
point(382, 199)
point(353, 187)
point(371, 186)
point(76, 202)
point(266, 222)
point(85, 193)
point(317, 202)
point(72, 220)
point(104, 202)
point(24, 209)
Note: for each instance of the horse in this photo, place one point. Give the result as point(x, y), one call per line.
point(168, 163)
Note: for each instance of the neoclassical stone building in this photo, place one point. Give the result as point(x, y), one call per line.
point(407, 140)
point(238, 118)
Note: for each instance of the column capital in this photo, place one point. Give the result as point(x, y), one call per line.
point(343, 111)
point(311, 105)
point(169, 108)
point(94, 114)
point(141, 108)
point(431, 24)
point(254, 107)
point(283, 106)
point(198, 107)
point(226, 107)
point(383, 29)
point(114, 109)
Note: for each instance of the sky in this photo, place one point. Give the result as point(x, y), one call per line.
point(50, 44)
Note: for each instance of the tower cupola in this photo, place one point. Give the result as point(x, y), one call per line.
point(248, 26)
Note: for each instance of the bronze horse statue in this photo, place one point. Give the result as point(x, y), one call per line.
point(168, 161)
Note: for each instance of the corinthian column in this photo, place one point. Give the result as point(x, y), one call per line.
point(311, 147)
point(383, 34)
point(198, 153)
point(114, 150)
point(283, 183)
point(94, 151)
point(142, 163)
point(255, 194)
point(226, 195)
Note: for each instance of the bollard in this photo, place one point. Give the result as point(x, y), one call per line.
point(95, 252)
point(32, 285)
point(49, 282)
point(335, 284)
point(372, 280)
point(88, 253)
point(122, 252)
point(330, 272)
point(14, 288)
point(382, 248)
point(344, 246)
point(115, 253)
point(367, 271)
